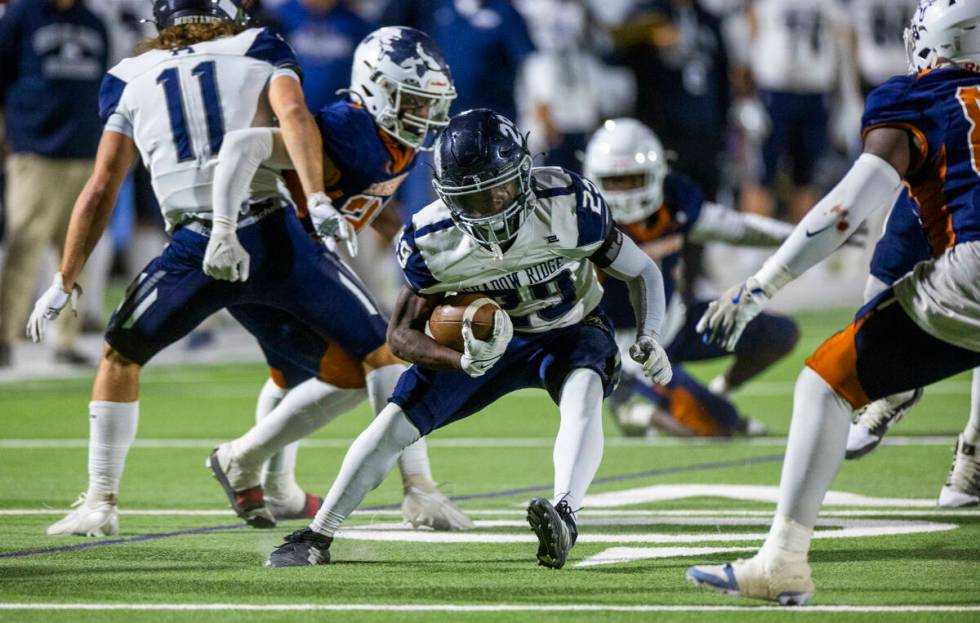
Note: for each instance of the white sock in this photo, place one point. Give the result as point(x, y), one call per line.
point(112, 430)
point(278, 472)
point(787, 540)
point(578, 447)
point(814, 454)
point(971, 434)
point(414, 461)
point(367, 462)
point(268, 399)
point(305, 408)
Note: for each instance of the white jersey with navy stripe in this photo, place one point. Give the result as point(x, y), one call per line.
point(178, 104)
point(544, 281)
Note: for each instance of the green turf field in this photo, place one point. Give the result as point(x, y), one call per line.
point(180, 550)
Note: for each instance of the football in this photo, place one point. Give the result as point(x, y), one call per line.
point(446, 322)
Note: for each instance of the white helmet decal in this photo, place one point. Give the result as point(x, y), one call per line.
point(402, 80)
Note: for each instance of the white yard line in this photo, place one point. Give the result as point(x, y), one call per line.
point(506, 512)
point(465, 442)
point(466, 608)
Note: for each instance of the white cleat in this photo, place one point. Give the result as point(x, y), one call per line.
point(424, 506)
point(90, 518)
point(874, 420)
point(788, 583)
point(239, 476)
point(962, 486)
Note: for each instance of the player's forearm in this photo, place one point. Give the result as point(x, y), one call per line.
point(718, 223)
point(89, 218)
point(94, 205)
point(406, 334)
point(646, 287)
point(871, 184)
point(416, 347)
point(299, 132)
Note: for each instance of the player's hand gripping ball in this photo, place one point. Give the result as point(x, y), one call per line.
point(475, 326)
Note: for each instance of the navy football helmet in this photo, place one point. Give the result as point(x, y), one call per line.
point(177, 12)
point(483, 175)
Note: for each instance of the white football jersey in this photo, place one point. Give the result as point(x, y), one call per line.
point(544, 281)
point(879, 26)
point(796, 46)
point(177, 106)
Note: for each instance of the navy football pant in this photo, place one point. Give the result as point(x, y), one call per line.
point(291, 273)
point(432, 399)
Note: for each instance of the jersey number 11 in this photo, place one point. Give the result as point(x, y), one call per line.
point(169, 79)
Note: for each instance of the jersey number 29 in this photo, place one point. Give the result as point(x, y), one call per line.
point(169, 79)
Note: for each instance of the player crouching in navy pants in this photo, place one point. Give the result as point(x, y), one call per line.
point(527, 238)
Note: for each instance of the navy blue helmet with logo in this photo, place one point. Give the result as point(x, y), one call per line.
point(177, 12)
point(483, 175)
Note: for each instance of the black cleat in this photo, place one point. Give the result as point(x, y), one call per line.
point(555, 529)
point(301, 549)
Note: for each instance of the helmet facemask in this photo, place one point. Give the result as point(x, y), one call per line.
point(492, 211)
point(631, 195)
point(413, 116)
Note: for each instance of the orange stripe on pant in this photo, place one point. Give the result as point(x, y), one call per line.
point(836, 363)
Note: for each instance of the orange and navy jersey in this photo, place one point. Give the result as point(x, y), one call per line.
point(941, 109)
point(369, 165)
point(669, 225)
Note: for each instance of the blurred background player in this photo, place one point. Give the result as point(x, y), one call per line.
point(324, 34)
point(565, 88)
point(540, 232)
point(877, 39)
point(661, 211)
point(399, 98)
point(795, 61)
point(239, 76)
point(920, 128)
point(54, 53)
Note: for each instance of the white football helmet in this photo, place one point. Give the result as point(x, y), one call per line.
point(943, 31)
point(626, 161)
point(400, 77)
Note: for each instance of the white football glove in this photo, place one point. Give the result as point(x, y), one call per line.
point(726, 318)
point(479, 356)
point(50, 305)
point(225, 258)
point(647, 351)
point(330, 223)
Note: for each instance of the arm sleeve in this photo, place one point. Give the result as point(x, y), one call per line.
point(241, 155)
point(645, 283)
point(718, 223)
point(870, 184)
